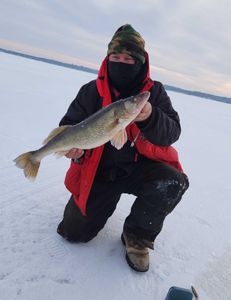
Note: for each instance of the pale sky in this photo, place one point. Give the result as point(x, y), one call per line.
point(189, 42)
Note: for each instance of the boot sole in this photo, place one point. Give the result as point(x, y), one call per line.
point(129, 261)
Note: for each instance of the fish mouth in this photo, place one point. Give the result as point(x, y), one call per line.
point(139, 100)
point(142, 98)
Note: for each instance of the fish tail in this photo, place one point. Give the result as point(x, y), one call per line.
point(28, 163)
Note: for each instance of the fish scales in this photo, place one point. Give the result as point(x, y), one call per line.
point(107, 124)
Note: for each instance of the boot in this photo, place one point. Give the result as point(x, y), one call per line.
point(137, 254)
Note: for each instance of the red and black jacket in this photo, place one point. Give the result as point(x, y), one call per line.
point(152, 138)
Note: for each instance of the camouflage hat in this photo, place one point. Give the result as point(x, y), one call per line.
point(127, 40)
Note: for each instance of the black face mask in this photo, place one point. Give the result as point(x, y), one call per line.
point(122, 74)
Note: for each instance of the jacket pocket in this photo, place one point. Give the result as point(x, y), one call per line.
point(72, 178)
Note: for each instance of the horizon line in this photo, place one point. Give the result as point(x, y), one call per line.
point(95, 71)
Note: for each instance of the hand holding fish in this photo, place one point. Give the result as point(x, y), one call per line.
point(145, 113)
point(74, 153)
point(107, 124)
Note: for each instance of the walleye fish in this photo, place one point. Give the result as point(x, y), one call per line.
point(107, 124)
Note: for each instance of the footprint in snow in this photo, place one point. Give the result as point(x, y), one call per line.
point(55, 247)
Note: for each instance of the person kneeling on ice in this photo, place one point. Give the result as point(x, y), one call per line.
point(146, 166)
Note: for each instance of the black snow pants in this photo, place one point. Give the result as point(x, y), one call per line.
point(158, 188)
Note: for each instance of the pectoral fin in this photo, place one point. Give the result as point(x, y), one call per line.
point(119, 139)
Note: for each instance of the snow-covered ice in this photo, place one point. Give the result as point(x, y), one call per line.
point(194, 247)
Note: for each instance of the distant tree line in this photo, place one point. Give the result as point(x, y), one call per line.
point(94, 71)
point(198, 94)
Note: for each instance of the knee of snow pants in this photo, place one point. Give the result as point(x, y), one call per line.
point(151, 207)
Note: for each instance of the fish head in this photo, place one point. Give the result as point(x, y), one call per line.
point(133, 105)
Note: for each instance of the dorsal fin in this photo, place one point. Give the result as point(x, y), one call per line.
point(55, 132)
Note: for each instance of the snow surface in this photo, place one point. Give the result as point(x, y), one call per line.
point(194, 247)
